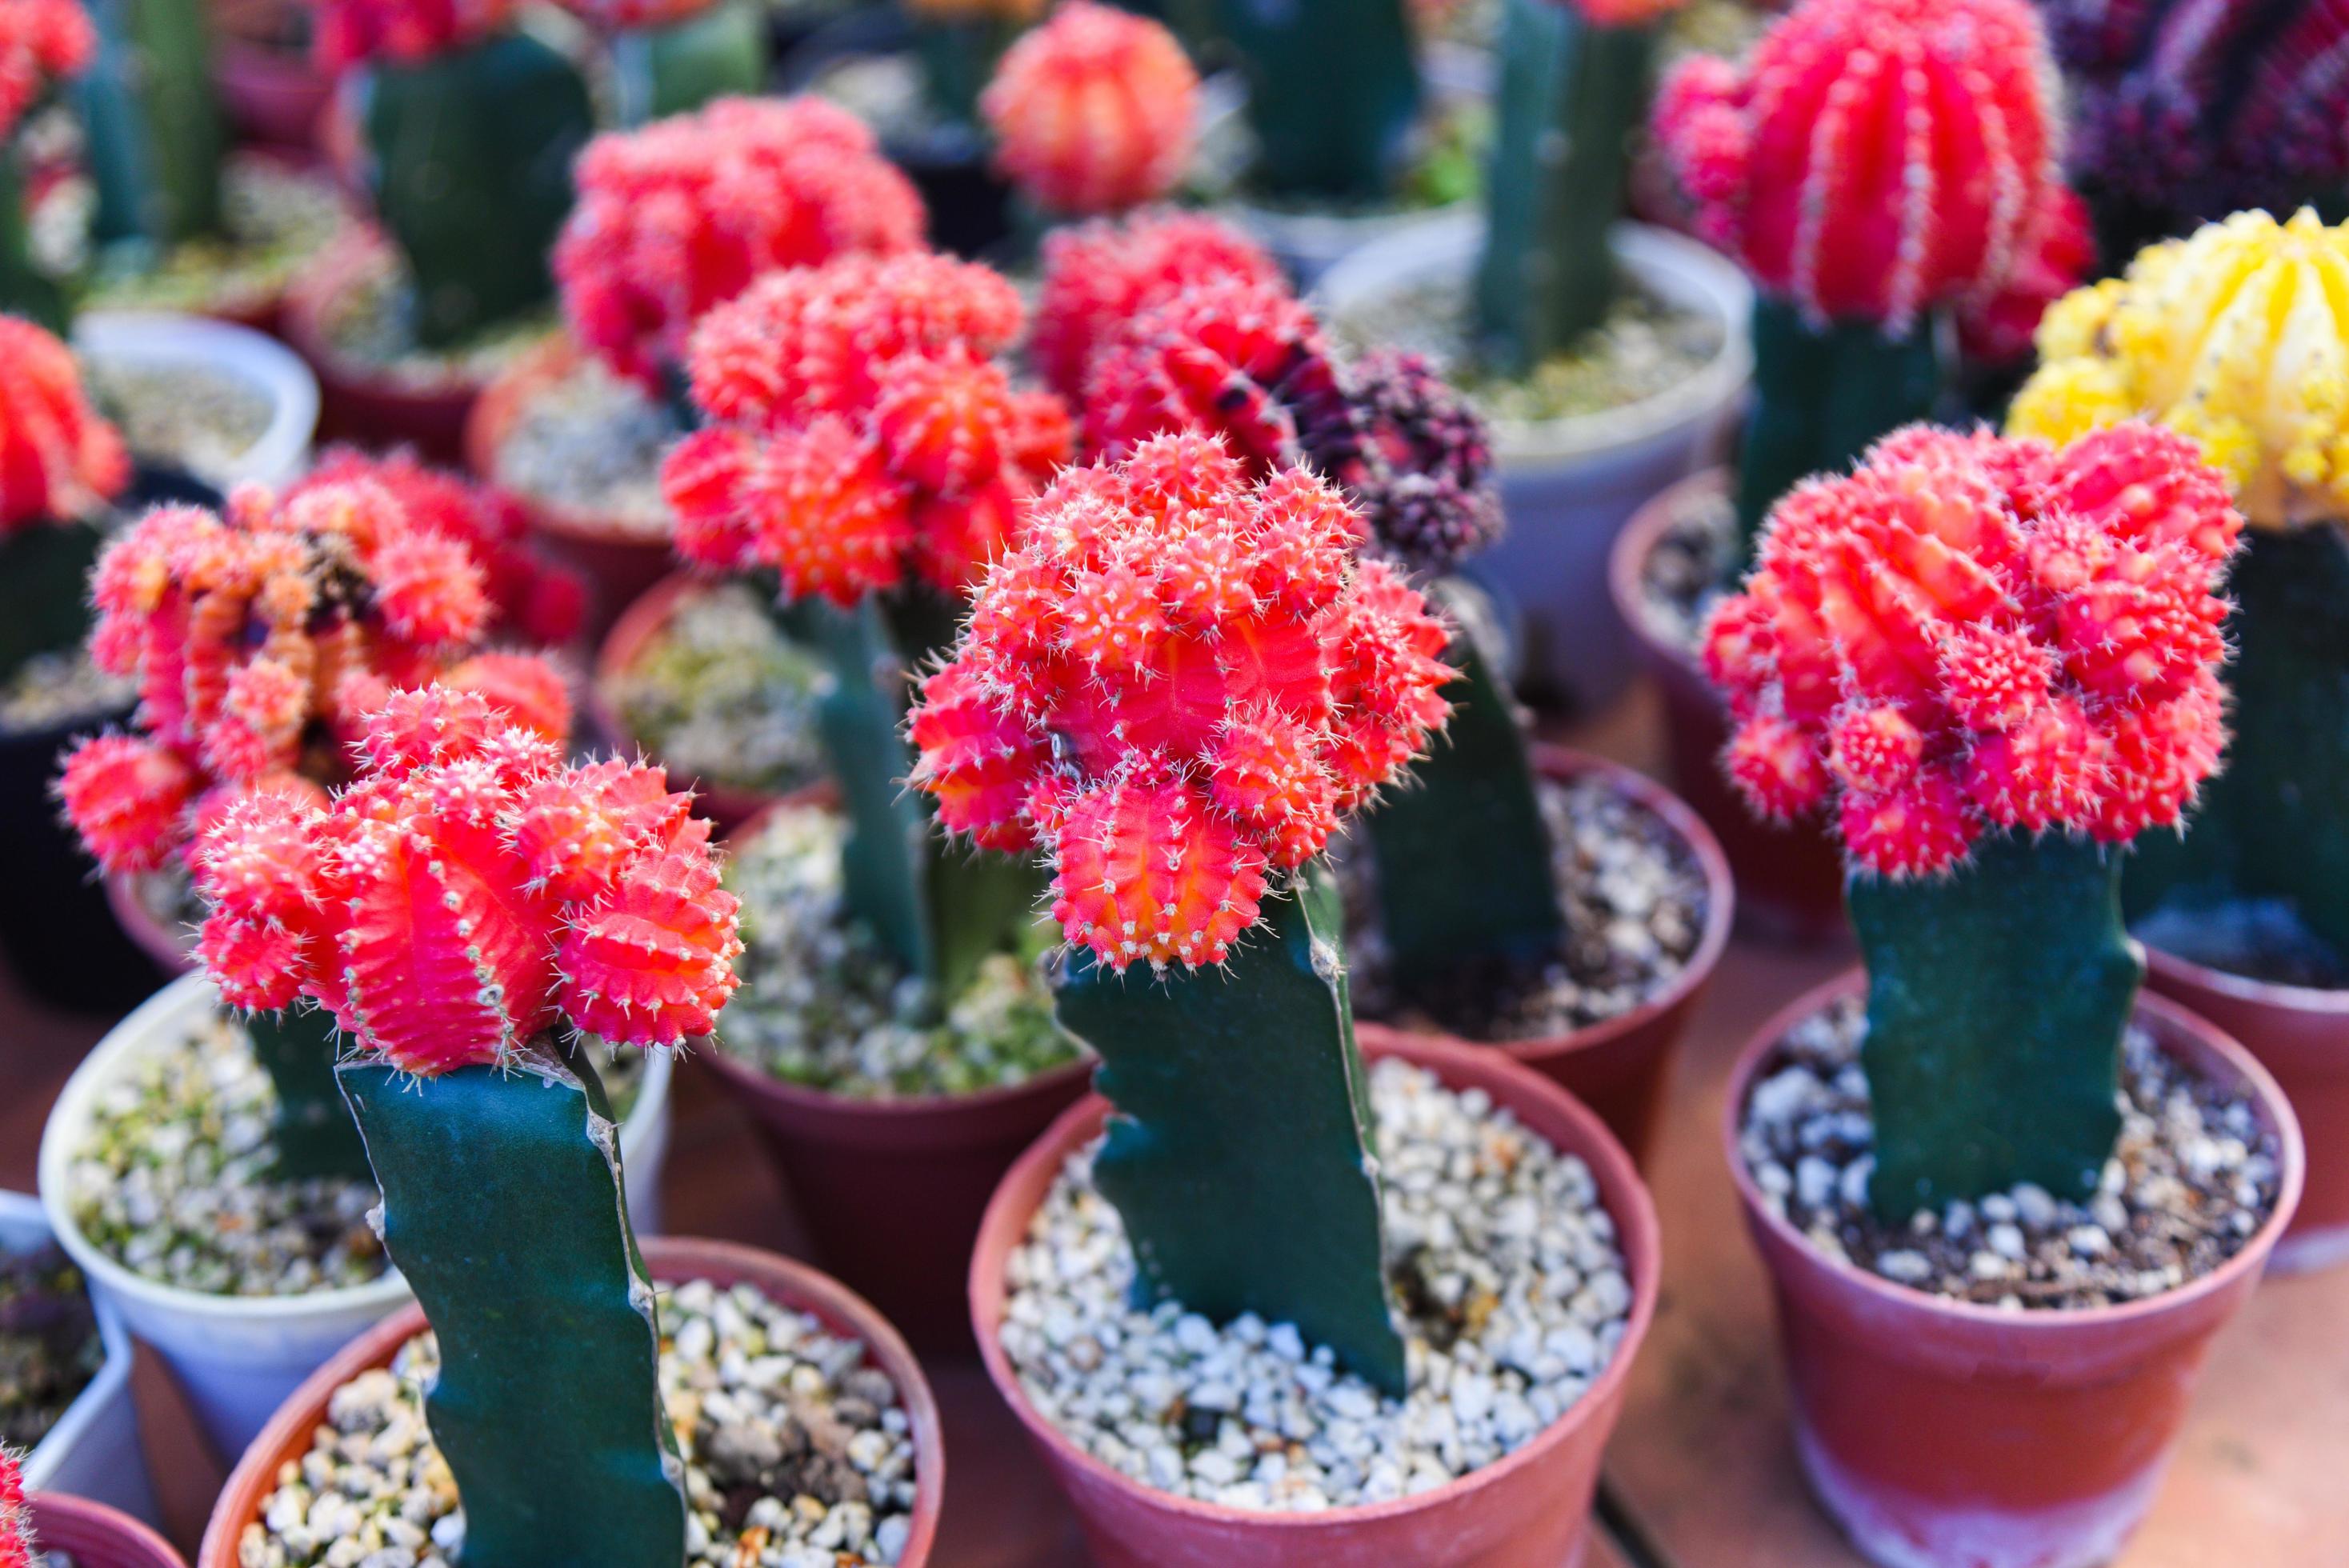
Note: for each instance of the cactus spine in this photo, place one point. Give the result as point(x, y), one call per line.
point(675, 67)
point(1334, 94)
point(156, 134)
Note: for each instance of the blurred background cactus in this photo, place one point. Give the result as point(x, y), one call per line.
point(670, 56)
point(41, 42)
point(1094, 112)
point(61, 464)
point(155, 133)
point(960, 43)
point(1333, 94)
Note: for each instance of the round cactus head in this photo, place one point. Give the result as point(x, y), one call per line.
point(679, 216)
point(2236, 337)
point(1972, 632)
point(467, 890)
point(59, 460)
point(864, 434)
point(349, 32)
point(41, 41)
point(1095, 111)
point(1099, 276)
point(1873, 158)
point(1177, 685)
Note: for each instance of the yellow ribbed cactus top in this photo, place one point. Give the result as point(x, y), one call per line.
point(2236, 337)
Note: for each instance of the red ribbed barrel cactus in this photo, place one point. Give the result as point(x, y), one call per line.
point(680, 216)
point(1998, 663)
point(59, 460)
point(1095, 111)
point(1100, 276)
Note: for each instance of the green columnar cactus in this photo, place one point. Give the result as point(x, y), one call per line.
point(1990, 747)
point(1334, 94)
point(156, 133)
point(469, 165)
point(314, 1134)
point(677, 66)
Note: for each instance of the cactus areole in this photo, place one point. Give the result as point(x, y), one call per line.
point(2239, 337)
point(1873, 163)
point(1996, 662)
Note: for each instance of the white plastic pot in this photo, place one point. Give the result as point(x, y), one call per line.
point(162, 338)
point(238, 1357)
point(1570, 485)
point(93, 1451)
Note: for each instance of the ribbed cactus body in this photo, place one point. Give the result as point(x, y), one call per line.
point(156, 133)
point(470, 162)
point(504, 1208)
point(1334, 94)
point(676, 67)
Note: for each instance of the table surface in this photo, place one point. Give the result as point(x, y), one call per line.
point(1700, 1474)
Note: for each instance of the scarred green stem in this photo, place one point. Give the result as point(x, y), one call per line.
point(1996, 1001)
point(25, 289)
point(1822, 395)
point(155, 130)
point(1334, 94)
point(471, 174)
point(661, 71)
point(503, 1206)
point(1239, 1153)
point(1573, 95)
point(314, 1134)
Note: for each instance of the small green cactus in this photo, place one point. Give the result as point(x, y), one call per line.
point(156, 133)
point(1334, 95)
point(717, 52)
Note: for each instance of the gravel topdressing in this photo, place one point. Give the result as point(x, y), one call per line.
point(1688, 571)
point(274, 218)
point(192, 416)
point(368, 323)
point(719, 695)
point(591, 443)
point(49, 1346)
point(798, 1453)
point(54, 688)
point(2192, 1178)
point(1517, 1300)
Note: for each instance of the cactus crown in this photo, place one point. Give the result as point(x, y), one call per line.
point(40, 41)
point(864, 433)
point(350, 32)
point(59, 460)
point(1095, 111)
point(1972, 632)
point(1099, 276)
point(682, 215)
point(2236, 337)
point(466, 889)
point(1873, 158)
point(1178, 684)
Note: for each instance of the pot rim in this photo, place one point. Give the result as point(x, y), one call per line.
point(670, 1260)
point(2323, 1000)
point(97, 1516)
point(1627, 559)
point(175, 338)
point(1622, 1192)
point(112, 1379)
point(2151, 1008)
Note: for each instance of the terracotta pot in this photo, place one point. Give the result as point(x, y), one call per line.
point(1789, 878)
point(671, 1261)
point(1621, 1068)
point(170, 952)
point(1530, 1510)
point(1942, 1434)
point(360, 403)
point(620, 560)
point(729, 806)
point(96, 1536)
point(2301, 1035)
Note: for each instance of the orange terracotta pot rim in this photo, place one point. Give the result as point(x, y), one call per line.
point(1623, 1194)
point(670, 1260)
point(2320, 999)
point(1626, 561)
point(82, 1517)
point(2267, 1097)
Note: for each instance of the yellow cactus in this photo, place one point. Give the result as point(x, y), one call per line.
point(2236, 337)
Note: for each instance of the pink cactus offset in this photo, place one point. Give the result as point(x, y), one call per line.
point(59, 460)
point(1095, 111)
point(1971, 632)
point(1873, 158)
point(468, 889)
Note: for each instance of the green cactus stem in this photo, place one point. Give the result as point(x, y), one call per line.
point(1465, 892)
point(1240, 1150)
point(2275, 823)
point(314, 1133)
point(503, 1206)
point(43, 590)
point(1573, 94)
point(1997, 997)
point(958, 61)
point(25, 289)
point(1334, 94)
point(1822, 395)
point(661, 71)
point(472, 157)
point(156, 133)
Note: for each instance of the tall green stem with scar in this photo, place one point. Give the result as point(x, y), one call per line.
point(865, 454)
point(1952, 649)
point(1176, 685)
point(1864, 209)
point(466, 912)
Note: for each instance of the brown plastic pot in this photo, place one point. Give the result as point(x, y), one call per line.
point(1789, 878)
point(617, 557)
point(96, 1536)
point(672, 1261)
point(1942, 1434)
point(1530, 1510)
point(2301, 1035)
point(1623, 1066)
point(360, 403)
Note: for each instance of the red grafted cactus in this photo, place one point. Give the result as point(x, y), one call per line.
point(40, 41)
point(59, 460)
point(864, 433)
point(16, 1526)
point(466, 890)
point(1176, 684)
point(1872, 159)
point(1998, 328)
point(349, 32)
point(1099, 276)
point(1973, 633)
point(682, 215)
point(1095, 111)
